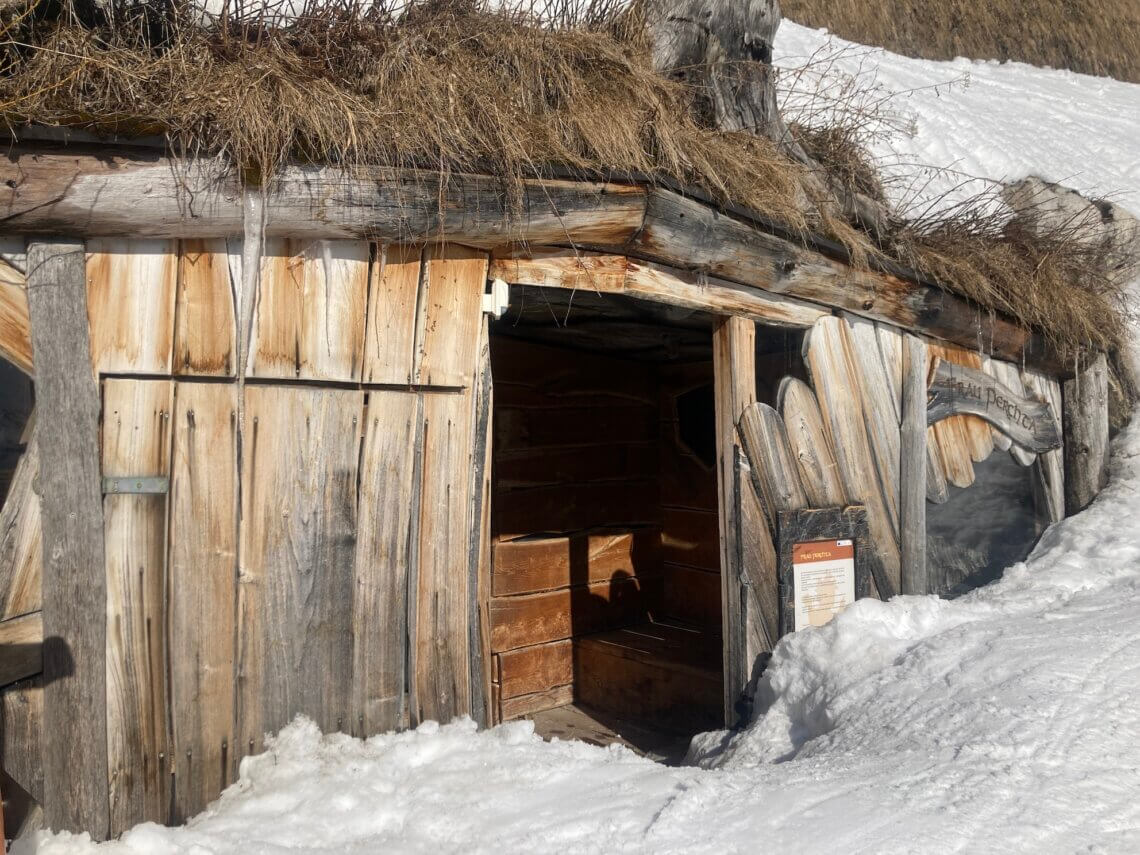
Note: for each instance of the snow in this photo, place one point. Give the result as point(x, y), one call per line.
point(1001, 721)
point(990, 120)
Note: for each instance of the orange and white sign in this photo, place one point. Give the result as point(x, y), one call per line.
point(823, 576)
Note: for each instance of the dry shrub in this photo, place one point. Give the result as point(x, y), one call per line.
point(1092, 36)
point(444, 86)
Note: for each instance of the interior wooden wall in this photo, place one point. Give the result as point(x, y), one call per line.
point(319, 549)
point(576, 511)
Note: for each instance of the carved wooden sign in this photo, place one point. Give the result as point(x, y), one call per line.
point(957, 389)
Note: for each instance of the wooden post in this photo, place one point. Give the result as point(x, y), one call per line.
point(734, 364)
point(1086, 435)
point(912, 469)
point(74, 578)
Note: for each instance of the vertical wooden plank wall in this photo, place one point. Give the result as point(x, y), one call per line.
point(136, 442)
point(74, 579)
point(734, 365)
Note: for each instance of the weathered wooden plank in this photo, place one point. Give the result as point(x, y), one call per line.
point(568, 612)
point(528, 566)
point(913, 468)
point(618, 274)
point(74, 578)
point(131, 288)
point(21, 647)
point(760, 600)
point(450, 314)
point(136, 442)
point(559, 696)
point(15, 328)
point(1010, 375)
point(387, 508)
point(298, 543)
point(440, 643)
point(1086, 435)
point(205, 330)
point(389, 340)
point(879, 414)
point(309, 316)
point(21, 738)
point(841, 404)
point(734, 366)
point(956, 389)
point(535, 669)
point(890, 341)
point(21, 559)
point(989, 366)
point(952, 439)
point(979, 435)
point(101, 192)
point(1050, 466)
point(479, 560)
point(683, 232)
point(810, 444)
point(202, 589)
point(773, 469)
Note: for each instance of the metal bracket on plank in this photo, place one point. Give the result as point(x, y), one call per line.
point(147, 484)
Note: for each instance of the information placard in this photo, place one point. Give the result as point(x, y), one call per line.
point(823, 579)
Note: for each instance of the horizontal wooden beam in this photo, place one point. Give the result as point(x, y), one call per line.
point(685, 233)
point(94, 192)
point(609, 273)
point(21, 647)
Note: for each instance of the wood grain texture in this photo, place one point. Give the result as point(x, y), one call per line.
point(1050, 466)
point(136, 442)
point(1010, 375)
point(773, 468)
point(21, 738)
point(570, 612)
point(309, 316)
point(483, 708)
point(952, 439)
point(389, 339)
point(683, 232)
point(440, 640)
point(535, 669)
point(387, 510)
point(837, 388)
point(21, 647)
point(734, 366)
point(450, 314)
point(913, 468)
point(1085, 417)
point(978, 433)
point(760, 600)
point(691, 537)
point(102, 192)
point(1001, 441)
point(880, 417)
point(131, 286)
point(202, 591)
point(298, 544)
point(21, 542)
point(205, 330)
point(810, 444)
point(540, 564)
point(15, 327)
point(523, 705)
point(76, 795)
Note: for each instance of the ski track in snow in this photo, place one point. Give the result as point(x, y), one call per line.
point(1004, 721)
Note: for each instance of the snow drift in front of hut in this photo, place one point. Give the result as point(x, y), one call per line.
point(1002, 721)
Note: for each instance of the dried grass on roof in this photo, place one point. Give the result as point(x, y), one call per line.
point(448, 86)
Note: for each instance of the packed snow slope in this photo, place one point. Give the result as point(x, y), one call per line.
point(1004, 721)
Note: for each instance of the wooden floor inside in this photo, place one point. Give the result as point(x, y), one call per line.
point(575, 721)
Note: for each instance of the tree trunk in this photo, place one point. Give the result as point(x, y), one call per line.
point(723, 50)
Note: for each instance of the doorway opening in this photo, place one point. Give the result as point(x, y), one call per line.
point(605, 600)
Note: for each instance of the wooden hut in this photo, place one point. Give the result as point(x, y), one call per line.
point(286, 459)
